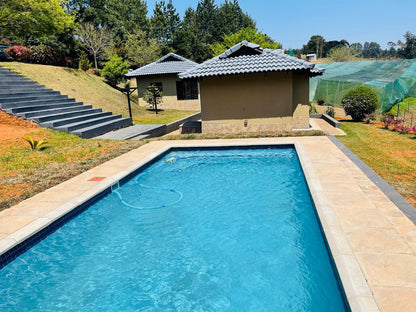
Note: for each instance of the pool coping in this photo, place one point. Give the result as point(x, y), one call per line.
point(385, 187)
point(357, 290)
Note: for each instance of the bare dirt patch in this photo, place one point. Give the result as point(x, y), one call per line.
point(13, 128)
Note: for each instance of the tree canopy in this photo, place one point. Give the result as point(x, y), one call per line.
point(249, 34)
point(22, 19)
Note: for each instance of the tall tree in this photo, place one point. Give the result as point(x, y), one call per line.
point(314, 45)
point(358, 47)
point(231, 18)
point(189, 42)
point(141, 49)
point(329, 45)
point(408, 48)
point(248, 34)
point(164, 22)
point(371, 50)
point(23, 19)
point(206, 19)
point(126, 16)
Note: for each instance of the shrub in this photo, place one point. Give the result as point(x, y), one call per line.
point(330, 111)
point(360, 102)
point(19, 53)
point(44, 55)
point(35, 145)
point(320, 101)
point(84, 63)
point(114, 70)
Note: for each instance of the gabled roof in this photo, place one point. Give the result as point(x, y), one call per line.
point(247, 57)
point(171, 63)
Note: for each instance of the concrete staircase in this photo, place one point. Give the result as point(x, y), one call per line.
point(27, 99)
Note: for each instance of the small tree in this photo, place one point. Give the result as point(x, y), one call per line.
point(153, 96)
point(360, 102)
point(114, 70)
point(93, 38)
point(84, 64)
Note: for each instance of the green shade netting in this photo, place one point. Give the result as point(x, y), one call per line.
point(391, 80)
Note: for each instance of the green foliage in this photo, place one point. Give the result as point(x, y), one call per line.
point(330, 111)
point(371, 50)
point(84, 64)
point(153, 96)
point(126, 16)
point(22, 19)
point(19, 53)
point(314, 45)
point(35, 145)
point(141, 50)
point(232, 19)
point(360, 102)
point(342, 54)
point(94, 39)
point(164, 22)
point(44, 55)
point(408, 48)
point(249, 34)
point(114, 70)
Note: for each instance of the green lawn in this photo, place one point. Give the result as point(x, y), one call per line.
point(390, 154)
point(148, 116)
point(24, 173)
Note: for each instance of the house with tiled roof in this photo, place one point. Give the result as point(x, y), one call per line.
point(248, 88)
point(163, 73)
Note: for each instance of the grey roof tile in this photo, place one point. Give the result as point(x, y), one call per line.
point(251, 59)
point(171, 63)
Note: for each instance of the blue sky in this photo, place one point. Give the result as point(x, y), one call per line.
point(293, 22)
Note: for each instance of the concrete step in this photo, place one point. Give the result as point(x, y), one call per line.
point(34, 108)
point(54, 111)
point(11, 83)
point(11, 97)
point(7, 89)
point(13, 93)
point(36, 102)
point(32, 98)
point(26, 98)
point(96, 130)
point(52, 117)
point(70, 120)
point(6, 79)
point(87, 123)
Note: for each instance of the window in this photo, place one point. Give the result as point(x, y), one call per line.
point(187, 90)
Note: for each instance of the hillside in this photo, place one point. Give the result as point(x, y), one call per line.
point(76, 84)
point(91, 90)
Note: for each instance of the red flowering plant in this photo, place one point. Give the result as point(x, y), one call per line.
point(19, 53)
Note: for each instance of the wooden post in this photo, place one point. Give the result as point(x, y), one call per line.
point(128, 102)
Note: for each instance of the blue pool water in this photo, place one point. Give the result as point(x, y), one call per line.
point(198, 230)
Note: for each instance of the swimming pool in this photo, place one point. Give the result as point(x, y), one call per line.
point(198, 230)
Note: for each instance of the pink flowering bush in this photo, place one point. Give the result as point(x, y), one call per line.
point(19, 53)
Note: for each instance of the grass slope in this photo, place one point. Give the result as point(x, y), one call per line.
point(407, 111)
point(390, 154)
point(91, 90)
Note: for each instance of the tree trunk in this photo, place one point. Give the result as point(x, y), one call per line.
point(95, 60)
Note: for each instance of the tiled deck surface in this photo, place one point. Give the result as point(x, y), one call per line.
point(369, 236)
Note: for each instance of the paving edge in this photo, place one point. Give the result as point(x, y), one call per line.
point(386, 188)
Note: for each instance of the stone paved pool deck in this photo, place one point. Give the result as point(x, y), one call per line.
point(372, 242)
